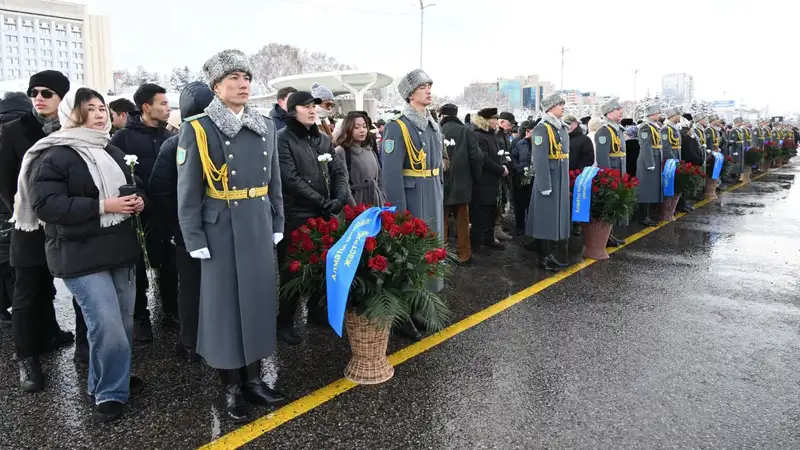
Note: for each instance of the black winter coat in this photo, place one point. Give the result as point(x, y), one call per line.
point(690, 149)
point(484, 192)
point(279, 116)
point(65, 197)
point(302, 176)
point(16, 137)
point(14, 108)
point(143, 141)
point(520, 159)
point(581, 150)
point(162, 190)
point(466, 161)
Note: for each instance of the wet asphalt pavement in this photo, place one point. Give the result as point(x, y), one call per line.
point(687, 338)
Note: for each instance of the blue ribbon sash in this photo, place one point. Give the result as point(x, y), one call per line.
point(718, 160)
point(342, 261)
point(582, 195)
point(668, 177)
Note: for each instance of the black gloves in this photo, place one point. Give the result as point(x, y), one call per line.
point(332, 206)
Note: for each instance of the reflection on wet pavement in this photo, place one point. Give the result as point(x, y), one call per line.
point(686, 338)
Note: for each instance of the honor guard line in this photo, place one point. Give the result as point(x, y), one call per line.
point(257, 428)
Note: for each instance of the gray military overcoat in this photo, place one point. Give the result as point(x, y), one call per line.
point(549, 216)
point(650, 189)
point(423, 196)
point(237, 324)
point(736, 150)
point(602, 145)
point(670, 151)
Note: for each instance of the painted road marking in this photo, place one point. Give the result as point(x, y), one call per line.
point(264, 424)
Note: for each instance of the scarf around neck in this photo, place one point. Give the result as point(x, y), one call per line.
point(48, 125)
point(90, 144)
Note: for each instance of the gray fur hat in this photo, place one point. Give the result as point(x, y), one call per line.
point(552, 101)
point(738, 120)
point(650, 110)
point(224, 63)
point(713, 117)
point(699, 116)
point(321, 92)
point(610, 105)
point(672, 112)
point(409, 83)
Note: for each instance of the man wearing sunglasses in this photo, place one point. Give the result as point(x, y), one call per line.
point(34, 326)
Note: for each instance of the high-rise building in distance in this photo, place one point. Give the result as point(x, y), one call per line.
point(677, 87)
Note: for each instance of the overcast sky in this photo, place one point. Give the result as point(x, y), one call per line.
point(735, 49)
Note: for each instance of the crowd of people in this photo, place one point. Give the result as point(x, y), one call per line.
point(218, 186)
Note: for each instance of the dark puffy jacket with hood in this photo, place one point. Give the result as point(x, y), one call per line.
point(163, 187)
point(13, 106)
point(141, 140)
point(279, 116)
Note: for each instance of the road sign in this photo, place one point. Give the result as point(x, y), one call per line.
point(723, 104)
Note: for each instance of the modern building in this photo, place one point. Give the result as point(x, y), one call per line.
point(512, 91)
point(55, 35)
point(677, 88)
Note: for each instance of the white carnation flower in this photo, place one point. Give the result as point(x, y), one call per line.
point(131, 160)
point(326, 157)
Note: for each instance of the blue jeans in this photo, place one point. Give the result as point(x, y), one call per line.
point(107, 300)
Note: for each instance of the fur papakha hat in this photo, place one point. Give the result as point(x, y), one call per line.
point(552, 101)
point(224, 63)
point(652, 109)
point(409, 83)
point(672, 112)
point(609, 106)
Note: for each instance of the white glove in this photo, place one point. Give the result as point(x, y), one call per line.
point(709, 151)
point(736, 154)
point(547, 192)
point(277, 237)
point(651, 168)
point(203, 253)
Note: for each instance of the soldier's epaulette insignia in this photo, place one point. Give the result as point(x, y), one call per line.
point(195, 117)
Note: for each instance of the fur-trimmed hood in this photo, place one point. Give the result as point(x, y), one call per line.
point(482, 124)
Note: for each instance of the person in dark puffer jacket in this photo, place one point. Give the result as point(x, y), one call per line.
point(13, 106)
point(163, 193)
point(71, 181)
point(143, 135)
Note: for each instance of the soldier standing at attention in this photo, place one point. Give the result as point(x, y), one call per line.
point(736, 147)
point(609, 144)
point(413, 174)
point(671, 134)
point(549, 214)
point(700, 123)
point(648, 166)
point(230, 210)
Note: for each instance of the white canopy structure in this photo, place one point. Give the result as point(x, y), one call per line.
point(343, 82)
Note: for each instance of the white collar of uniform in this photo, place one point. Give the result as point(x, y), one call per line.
point(238, 115)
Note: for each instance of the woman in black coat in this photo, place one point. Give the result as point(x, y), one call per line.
point(80, 187)
point(486, 189)
point(581, 148)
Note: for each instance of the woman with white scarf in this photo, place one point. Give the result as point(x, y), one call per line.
point(69, 183)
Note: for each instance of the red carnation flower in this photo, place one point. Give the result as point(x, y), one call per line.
point(327, 240)
point(333, 224)
point(604, 181)
point(407, 228)
point(361, 208)
point(378, 263)
point(295, 236)
point(440, 253)
point(387, 204)
point(430, 258)
point(349, 213)
point(323, 227)
point(626, 177)
point(307, 246)
point(312, 223)
point(614, 185)
point(394, 230)
point(294, 266)
point(387, 220)
point(324, 255)
point(304, 229)
point(313, 259)
point(370, 244)
point(595, 189)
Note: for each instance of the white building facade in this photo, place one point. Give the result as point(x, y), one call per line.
point(677, 88)
point(54, 35)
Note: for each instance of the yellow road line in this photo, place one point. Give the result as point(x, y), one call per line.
point(262, 425)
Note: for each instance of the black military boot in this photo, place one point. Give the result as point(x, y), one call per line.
point(31, 378)
point(256, 391)
point(646, 220)
point(235, 405)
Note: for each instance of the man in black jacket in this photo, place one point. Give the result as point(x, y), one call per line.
point(487, 189)
point(143, 135)
point(163, 193)
point(504, 136)
point(34, 324)
point(306, 194)
point(279, 113)
point(466, 160)
point(521, 165)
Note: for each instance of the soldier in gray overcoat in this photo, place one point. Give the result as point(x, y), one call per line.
point(736, 146)
point(671, 134)
point(699, 128)
point(549, 213)
point(649, 163)
point(230, 211)
point(609, 145)
point(413, 172)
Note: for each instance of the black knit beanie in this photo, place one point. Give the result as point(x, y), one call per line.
point(51, 79)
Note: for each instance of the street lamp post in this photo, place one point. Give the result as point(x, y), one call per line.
point(422, 26)
point(563, 50)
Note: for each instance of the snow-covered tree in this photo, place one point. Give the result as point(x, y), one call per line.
point(280, 60)
point(180, 77)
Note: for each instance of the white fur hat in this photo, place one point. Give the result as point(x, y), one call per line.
point(411, 82)
point(224, 63)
